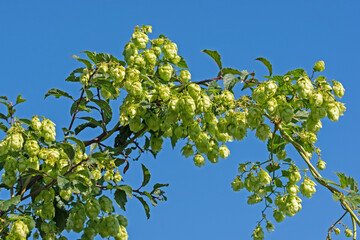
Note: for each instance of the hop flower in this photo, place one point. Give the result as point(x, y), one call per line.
point(348, 232)
point(165, 72)
point(338, 89)
point(278, 216)
point(319, 66)
point(106, 204)
point(224, 152)
point(263, 132)
point(35, 123)
point(92, 207)
point(15, 141)
point(321, 165)
point(140, 39)
point(258, 233)
point(199, 160)
point(264, 177)
point(187, 150)
point(184, 76)
point(237, 184)
point(48, 130)
point(170, 50)
point(307, 187)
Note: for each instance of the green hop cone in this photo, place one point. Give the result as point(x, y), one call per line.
point(150, 56)
point(264, 177)
point(321, 165)
point(278, 216)
point(32, 148)
point(170, 50)
point(270, 227)
point(122, 220)
point(348, 232)
point(165, 72)
point(338, 89)
point(92, 207)
point(140, 40)
point(224, 152)
point(184, 76)
point(19, 230)
point(333, 112)
point(253, 199)
point(112, 225)
point(294, 174)
point(319, 66)
point(199, 160)
point(66, 194)
point(292, 189)
point(252, 183)
point(15, 142)
point(307, 187)
point(106, 204)
point(4, 147)
point(258, 233)
point(48, 130)
point(122, 235)
point(194, 90)
point(263, 132)
point(35, 123)
point(237, 184)
point(337, 231)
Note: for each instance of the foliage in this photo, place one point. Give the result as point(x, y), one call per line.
point(72, 184)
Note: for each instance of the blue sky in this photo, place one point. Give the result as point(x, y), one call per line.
point(37, 39)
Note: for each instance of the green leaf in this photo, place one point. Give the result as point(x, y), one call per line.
point(82, 126)
point(354, 198)
point(225, 71)
point(57, 93)
point(120, 198)
point(63, 182)
point(93, 121)
point(78, 142)
point(25, 121)
point(3, 127)
point(146, 175)
point(266, 63)
point(296, 73)
point(72, 77)
point(89, 94)
point(278, 145)
point(301, 115)
point(81, 107)
point(4, 97)
point(146, 206)
point(68, 149)
point(229, 81)
point(5, 205)
point(19, 99)
point(91, 55)
point(84, 61)
point(127, 189)
point(278, 182)
point(152, 200)
point(272, 168)
point(214, 55)
point(182, 64)
point(343, 180)
point(106, 108)
point(124, 134)
point(2, 116)
point(336, 196)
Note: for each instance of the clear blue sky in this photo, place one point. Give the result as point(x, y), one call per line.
point(37, 39)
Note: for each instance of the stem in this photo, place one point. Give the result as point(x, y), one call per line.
point(103, 136)
point(354, 227)
point(316, 174)
point(333, 225)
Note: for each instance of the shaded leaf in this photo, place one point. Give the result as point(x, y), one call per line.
point(91, 55)
point(145, 205)
point(63, 182)
point(82, 126)
point(57, 93)
point(127, 189)
point(78, 142)
point(233, 71)
point(106, 108)
point(120, 198)
point(68, 149)
point(5, 205)
point(93, 121)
